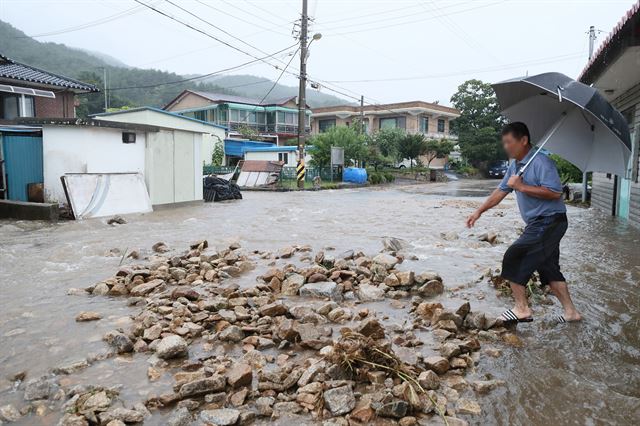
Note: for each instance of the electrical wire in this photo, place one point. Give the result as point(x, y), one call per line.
point(204, 75)
point(90, 24)
point(241, 19)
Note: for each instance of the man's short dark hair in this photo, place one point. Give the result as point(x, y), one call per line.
point(518, 129)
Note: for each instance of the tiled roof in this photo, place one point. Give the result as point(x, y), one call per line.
point(17, 71)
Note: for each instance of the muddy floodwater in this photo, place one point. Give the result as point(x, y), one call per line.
point(573, 374)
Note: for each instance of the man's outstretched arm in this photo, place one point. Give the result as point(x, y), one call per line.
point(492, 200)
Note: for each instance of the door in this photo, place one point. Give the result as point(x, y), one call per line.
point(22, 164)
point(624, 187)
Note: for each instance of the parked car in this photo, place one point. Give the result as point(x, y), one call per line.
point(498, 169)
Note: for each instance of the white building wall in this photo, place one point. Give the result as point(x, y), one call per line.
point(75, 149)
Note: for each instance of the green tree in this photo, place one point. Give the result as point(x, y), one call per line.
point(437, 149)
point(218, 153)
point(480, 122)
point(412, 146)
point(386, 142)
point(354, 145)
point(567, 171)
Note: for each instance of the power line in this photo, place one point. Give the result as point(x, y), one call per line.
point(469, 71)
point(240, 19)
point(267, 11)
point(104, 20)
point(173, 18)
point(205, 75)
point(261, 18)
point(413, 21)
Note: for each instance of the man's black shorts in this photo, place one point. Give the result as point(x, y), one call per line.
point(537, 249)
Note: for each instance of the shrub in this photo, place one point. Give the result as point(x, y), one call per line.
point(389, 177)
point(375, 178)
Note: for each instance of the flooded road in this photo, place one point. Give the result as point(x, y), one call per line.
point(571, 374)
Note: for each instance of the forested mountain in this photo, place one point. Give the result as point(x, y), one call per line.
point(125, 82)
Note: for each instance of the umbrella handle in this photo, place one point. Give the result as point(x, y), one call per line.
point(545, 139)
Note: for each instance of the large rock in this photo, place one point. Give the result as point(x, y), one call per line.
point(371, 328)
point(468, 406)
point(88, 316)
point(215, 383)
point(386, 260)
point(273, 309)
point(220, 417)
point(146, 288)
point(9, 413)
point(172, 347)
point(369, 293)
point(322, 289)
point(119, 341)
point(291, 285)
point(431, 288)
point(340, 400)
point(180, 417)
point(122, 414)
point(427, 276)
point(239, 375)
point(437, 364)
point(232, 333)
point(406, 278)
point(395, 409)
point(429, 380)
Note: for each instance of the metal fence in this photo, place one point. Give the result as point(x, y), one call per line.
point(288, 176)
point(217, 170)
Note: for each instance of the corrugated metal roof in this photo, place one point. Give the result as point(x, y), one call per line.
point(236, 148)
point(17, 71)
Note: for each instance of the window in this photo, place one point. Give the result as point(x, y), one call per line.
point(326, 124)
point(200, 115)
point(424, 124)
point(233, 115)
point(281, 117)
point(393, 123)
point(291, 118)
point(440, 125)
point(14, 106)
point(284, 157)
point(261, 117)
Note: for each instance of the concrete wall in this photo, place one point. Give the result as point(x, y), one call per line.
point(271, 156)
point(190, 100)
point(75, 149)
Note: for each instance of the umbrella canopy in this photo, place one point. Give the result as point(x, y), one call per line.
point(570, 118)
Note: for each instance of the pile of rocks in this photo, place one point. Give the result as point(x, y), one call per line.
point(353, 276)
point(263, 356)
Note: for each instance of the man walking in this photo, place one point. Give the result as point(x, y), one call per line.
point(539, 196)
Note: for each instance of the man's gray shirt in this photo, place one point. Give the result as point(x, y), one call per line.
point(541, 172)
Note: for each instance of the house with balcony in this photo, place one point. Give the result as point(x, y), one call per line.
point(430, 119)
point(273, 121)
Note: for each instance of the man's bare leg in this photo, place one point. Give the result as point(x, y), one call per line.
point(519, 293)
point(561, 291)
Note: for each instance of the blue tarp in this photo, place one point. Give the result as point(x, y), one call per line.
point(236, 148)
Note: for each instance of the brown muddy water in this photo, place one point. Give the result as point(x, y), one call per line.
point(582, 374)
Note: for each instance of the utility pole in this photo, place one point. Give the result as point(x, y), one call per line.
point(362, 114)
point(592, 40)
point(302, 102)
point(104, 83)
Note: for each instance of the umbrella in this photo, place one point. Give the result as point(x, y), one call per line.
point(569, 119)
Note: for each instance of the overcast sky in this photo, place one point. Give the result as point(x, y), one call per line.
point(403, 49)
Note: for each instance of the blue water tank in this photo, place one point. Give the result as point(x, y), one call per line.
point(354, 175)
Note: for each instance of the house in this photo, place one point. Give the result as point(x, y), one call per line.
point(273, 121)
point(26, 91)
point(165, 148)
point(615, 71)
point(212, 134)
point(415, 117)
point(431, 120)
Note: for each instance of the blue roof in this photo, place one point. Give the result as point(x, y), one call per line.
point(161, 111)
point(237, 148)
point(271, 149)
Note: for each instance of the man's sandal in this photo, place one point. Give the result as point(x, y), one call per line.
point(510, 317)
